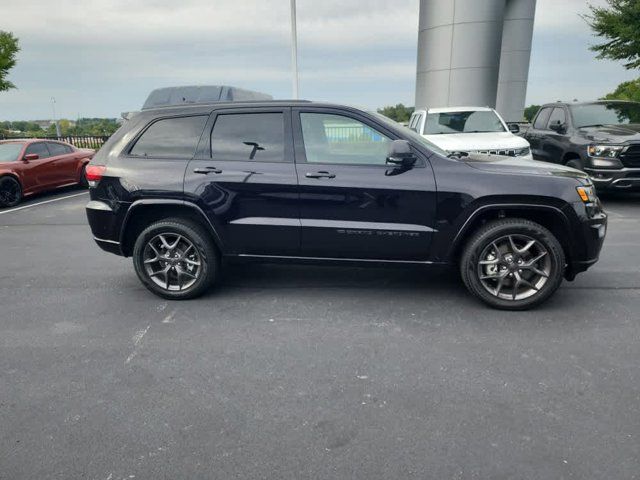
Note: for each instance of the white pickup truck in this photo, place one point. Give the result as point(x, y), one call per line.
point(471, 130)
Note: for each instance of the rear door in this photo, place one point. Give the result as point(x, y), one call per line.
point(244, 179)
point(537, 131)
point(352, 203)
point(63, 163)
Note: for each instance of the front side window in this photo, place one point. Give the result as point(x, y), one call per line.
point(171, 137)
point(558, 114)
point(39, 149)
point(542, 119)
point(463, 122)
point(255, 137)
point(332, 138)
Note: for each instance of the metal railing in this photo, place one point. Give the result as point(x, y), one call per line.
point(79, 141)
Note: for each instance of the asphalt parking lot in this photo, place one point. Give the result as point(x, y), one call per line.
point(308, 372)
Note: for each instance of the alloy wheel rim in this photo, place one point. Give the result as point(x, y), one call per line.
point(514, 267)
point(9, 192)
point(172, 261)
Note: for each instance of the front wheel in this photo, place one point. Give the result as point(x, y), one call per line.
point(10, 192)
point(513, 264)
point(176, 259)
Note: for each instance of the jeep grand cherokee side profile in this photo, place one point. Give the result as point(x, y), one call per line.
point(181, 188)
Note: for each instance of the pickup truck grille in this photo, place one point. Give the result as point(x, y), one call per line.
point(630, 157)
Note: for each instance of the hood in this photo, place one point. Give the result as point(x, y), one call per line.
point(521, 166)
point(453, 142)
point(611, 133)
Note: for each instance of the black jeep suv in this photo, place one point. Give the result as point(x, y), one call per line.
point(181, 188)
point(601, 138)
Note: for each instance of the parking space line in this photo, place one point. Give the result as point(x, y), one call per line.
point(42, 203)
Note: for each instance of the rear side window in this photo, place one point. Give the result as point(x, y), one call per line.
point(542, 119)
point(58, 149)
point(171, 137)
point(39, 149)
point(256, 137)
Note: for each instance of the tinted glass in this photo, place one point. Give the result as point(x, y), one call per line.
point(39, 149)
point(463, 122)
point(9, 151)
point(605, 114)
point(558, 114)
point(542, 119)
point(339, 139)
point(58, 149)
point(171, 137)
point(257, 137)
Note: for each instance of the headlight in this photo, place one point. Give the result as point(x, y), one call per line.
point(604, 151)
point(522, 152)
point(587, 194)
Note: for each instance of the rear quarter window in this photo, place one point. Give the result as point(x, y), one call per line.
point(175, 137)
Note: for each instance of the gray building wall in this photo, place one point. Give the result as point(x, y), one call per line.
point(463, 54)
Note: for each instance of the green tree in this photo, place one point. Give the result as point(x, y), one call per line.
point(619, 24)
point(626, 91)
point(8, 50)
point(399, 113)
point(530, 112)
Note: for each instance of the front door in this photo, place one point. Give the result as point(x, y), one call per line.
point(244, 179)
point(352, 203)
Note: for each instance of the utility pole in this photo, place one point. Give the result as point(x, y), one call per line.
point(294, 50)
point(55, 120)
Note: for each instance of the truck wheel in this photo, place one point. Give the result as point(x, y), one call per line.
point(176, 259)
point(575, 163)
point(10, 192)
point(512, 264)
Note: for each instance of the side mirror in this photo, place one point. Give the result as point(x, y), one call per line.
point(514, 128)
point(30, 156)
point(400, 154)
point(557, 126)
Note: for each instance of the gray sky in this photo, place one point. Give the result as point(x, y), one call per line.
point(101, 57)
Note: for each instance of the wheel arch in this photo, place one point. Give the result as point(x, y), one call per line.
point(570, 156)
point(142, 213)
point(15, 176)
point(550, 217)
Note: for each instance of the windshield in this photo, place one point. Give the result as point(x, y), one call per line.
point(410, 133)
point(9, 151)
point(614, 113)
point(463, 122)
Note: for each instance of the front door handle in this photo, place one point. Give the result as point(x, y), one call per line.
point(321, 174)
point(207, 170)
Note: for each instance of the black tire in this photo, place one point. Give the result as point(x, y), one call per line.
point(575, 163)
point(83, 177)
point(10, 192)
point(492, 233)
point(192, 232)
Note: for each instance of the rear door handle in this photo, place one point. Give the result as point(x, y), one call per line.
point(207, 170)
point(321, 174)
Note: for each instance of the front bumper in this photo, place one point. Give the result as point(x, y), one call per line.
point(615, 180)
point(590, 234)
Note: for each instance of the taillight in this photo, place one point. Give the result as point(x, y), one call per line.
point(94, 174)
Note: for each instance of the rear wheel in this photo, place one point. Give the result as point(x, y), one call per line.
point(512, 264)
point(10, 192)
point(176, 259)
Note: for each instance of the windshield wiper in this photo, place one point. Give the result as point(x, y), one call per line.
point(594, 125)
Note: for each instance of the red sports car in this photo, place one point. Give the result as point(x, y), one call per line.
point(35, 165)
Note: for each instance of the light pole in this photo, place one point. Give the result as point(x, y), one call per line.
point(294, 50)
point(53, 106)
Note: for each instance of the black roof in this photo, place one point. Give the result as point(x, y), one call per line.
point(208, 107)
point(594, 102)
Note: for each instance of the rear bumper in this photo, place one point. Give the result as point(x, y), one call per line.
point(104, 226)
point(615, 180)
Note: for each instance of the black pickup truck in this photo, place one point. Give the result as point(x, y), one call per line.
point(601, 138)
